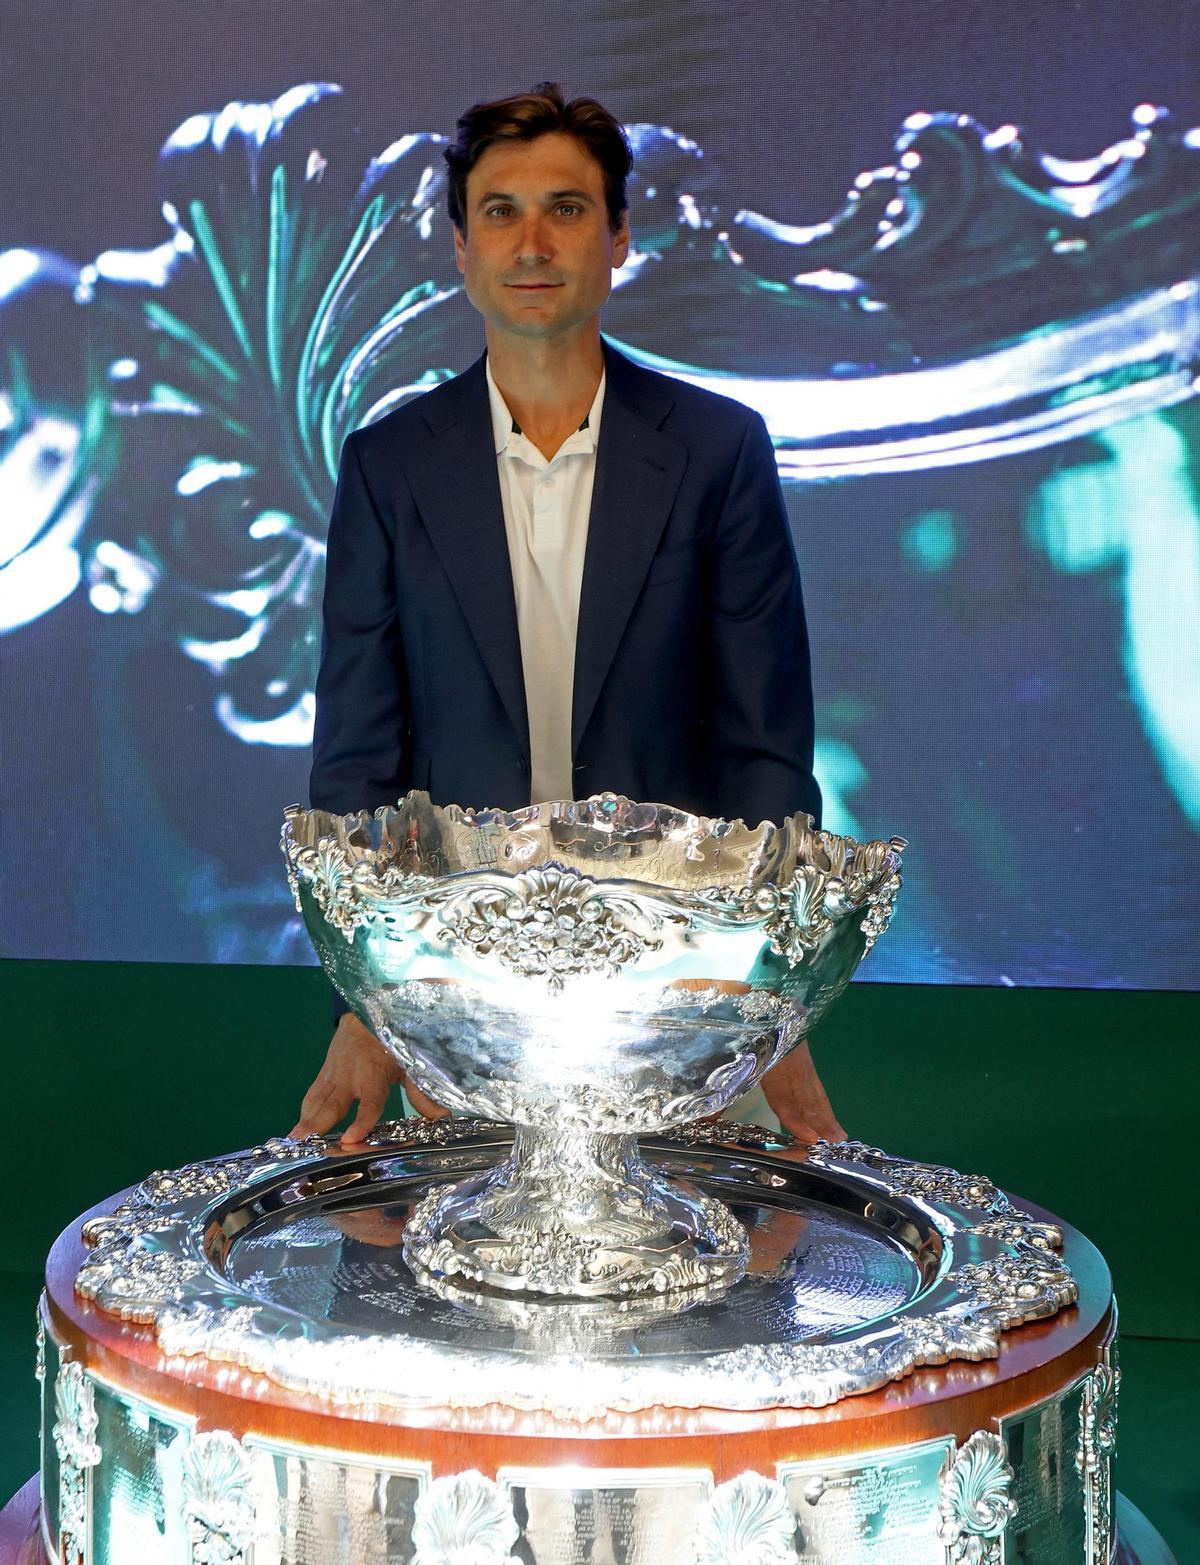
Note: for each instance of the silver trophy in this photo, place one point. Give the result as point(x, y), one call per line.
point(587, 972)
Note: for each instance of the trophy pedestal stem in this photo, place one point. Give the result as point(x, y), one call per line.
point(572, 1211)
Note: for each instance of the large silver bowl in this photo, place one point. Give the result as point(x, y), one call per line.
point(586, 971)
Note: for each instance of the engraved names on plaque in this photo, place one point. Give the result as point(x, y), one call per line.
point(1051, 1522)
point(594, 1517)
point(328, 1509)
point(872, 1508)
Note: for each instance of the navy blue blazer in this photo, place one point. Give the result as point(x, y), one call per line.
point(692, 682)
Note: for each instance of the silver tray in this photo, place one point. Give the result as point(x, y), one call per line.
point(287, 1260)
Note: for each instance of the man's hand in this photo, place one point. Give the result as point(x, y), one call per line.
point(357, 1067)
point(794, 1091)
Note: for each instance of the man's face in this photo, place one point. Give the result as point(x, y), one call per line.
point(538, 253)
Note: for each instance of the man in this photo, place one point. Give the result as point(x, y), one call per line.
point(559, 573)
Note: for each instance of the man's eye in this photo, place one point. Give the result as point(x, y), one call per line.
point(497, 211)
point(568, 206)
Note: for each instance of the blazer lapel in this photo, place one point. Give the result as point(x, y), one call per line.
point(457, 490)
point(638, 472)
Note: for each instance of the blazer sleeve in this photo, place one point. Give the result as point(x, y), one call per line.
point(360, 736)
point(760, 703)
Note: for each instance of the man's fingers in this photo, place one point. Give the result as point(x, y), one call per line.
point(324, 1104)
point(370, 1107)
point(423, 1105)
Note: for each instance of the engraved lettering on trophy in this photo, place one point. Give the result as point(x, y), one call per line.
point(885, 1501)
point(635, 1517)
point(1047, 1488)
point(375, 1508)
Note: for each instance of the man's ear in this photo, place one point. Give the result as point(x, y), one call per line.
point(460, 249)
point(621, 240)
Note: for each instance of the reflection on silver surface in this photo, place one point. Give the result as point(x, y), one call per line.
point(134, 1512)
point(586, 971)
point(976, 1504)
point(463, 1517)
point(1048, 1490)
point(296, 1268)
point(748, 1518)
point(1097, 1444)
point(870, 1508)
point(598, 1516)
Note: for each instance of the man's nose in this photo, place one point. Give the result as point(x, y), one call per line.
point(533, 240)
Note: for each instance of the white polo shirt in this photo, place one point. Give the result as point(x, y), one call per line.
point(546, 509)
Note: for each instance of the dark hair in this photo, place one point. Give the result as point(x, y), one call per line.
point(527, 115)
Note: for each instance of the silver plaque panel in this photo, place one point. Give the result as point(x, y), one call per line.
point(327, 1509)
point(593, 1517)
point(1050, 1523)
point(136, 1505)
point(875, 1508)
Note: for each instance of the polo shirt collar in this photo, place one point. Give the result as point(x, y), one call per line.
point(505, 428)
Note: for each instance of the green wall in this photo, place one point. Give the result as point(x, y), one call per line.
point(1083, 1101)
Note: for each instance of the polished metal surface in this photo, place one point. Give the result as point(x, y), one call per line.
point(290, 1260)
point(585, 971)
point(1049, 1493)
point(875, 1507)
point(164, 1491)
point(643, 1516)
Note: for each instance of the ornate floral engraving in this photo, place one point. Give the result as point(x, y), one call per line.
point(327, 869)
point(1019, 1229)
point(545, 1255)
point(726, 1133)
point(975, 1505)
point(463, 1520)
point(929, 1181)
point(419, 1132)
point(74, 1433)
point(842, 876)
point(748, 1521)
point(960, 1314)
point(39, 1363)
point(932, 1182)
point(1029, 1285)
point(217, 1503)
point(1093, 1458)
point(137, 1266)
point(552, 923)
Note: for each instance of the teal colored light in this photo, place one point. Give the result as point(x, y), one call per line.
point(931, 543)
point(220, 276)
point(276, 261)
point(368, 230)
point(840, 773)
point(166, 321)
point(1136, 514)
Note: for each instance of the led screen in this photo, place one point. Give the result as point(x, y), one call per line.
point(949, 252)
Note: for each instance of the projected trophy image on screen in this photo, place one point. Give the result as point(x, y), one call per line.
point(585, 972)
point(977, 370)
